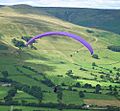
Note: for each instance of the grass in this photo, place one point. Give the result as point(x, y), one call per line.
point(3, 92)
point(31, 73)
point(6, 108)
point(24, 96)
point(99, 96)
point(70, 97)
point(49, 97)
point(29, 81)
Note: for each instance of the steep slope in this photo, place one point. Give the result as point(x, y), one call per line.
point(51, 60)
point(97, 18)
point(16, 25)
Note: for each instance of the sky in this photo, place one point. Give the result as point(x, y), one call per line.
point(101, 4)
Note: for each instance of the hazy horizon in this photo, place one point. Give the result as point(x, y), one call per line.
point(95, 4)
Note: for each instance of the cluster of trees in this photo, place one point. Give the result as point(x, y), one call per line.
point(112, 108)
point(27, 38)
point(83, 69)
point(18, 43)
point(106, 75)
point(30, 68)
point(113, 90)
point(33, 90)
point(48, 82)
point(117, 77)
point(59, 95)
point(116, 69)
point(9, 98)
point(70, 74)
point(5, 74)
point(114, 48)
point(36, 92)
point(77, 85)
point(87, 85)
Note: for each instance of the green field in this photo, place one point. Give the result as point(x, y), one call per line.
point(5, 108)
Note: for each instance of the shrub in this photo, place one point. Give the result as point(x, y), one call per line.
point(114, 48)
point(95, 56)
point(89, 31)
point(94, 64)
point(81, 94)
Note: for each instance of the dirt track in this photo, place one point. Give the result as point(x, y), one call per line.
point(102, 102)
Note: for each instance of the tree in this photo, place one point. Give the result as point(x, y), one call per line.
point(23, 102)
point(81, 94)
point(90, 31)
point(8, 100)
point(102, 76)
point(5, 74)
point(110, 87)
point(94, 64)
point(69, 72)
point(78, 85)
point(114, 48)
point(12, 92)
point(95, 56)
point(110, 71)
point(108, 76)
point(87, 85)
point(117, 76)
point(36, 92)
point(111, 90)
point(97, 89)
point(59, 94)
point(70, 88)
point(112, 108)
point(115, 92)
point(48, 82)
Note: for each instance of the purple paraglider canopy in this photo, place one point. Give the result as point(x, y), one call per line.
point(76, 37)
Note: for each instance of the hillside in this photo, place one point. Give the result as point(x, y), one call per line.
point(34, 71)
point(96, 18)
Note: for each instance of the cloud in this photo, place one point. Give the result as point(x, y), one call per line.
point(106, 4)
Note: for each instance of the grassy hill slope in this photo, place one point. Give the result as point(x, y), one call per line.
point(52, 58)
point(97, 18)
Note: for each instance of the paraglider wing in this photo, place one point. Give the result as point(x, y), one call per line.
point(76, 37)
